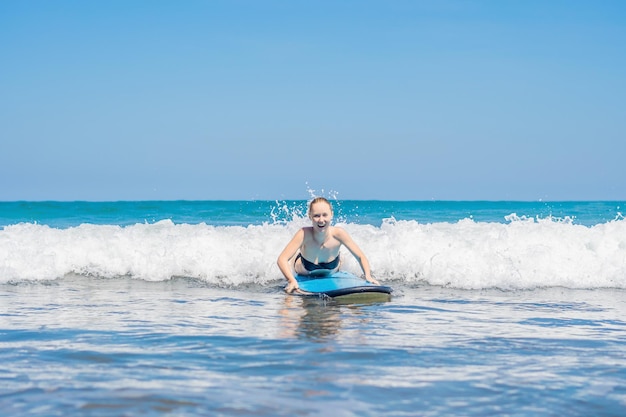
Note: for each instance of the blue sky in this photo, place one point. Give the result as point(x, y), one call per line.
point(401, 100)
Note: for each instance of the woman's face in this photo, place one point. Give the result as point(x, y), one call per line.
point(321, 215)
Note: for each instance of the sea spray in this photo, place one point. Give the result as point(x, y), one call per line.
point(520, 254)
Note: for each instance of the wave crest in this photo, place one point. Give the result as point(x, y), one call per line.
point(525, 253)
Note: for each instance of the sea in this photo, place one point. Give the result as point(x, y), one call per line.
point(177, 308)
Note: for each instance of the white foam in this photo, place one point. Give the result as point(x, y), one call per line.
point(522, 254)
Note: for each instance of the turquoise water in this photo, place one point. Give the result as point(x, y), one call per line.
point(229, 213)
point(176, 308)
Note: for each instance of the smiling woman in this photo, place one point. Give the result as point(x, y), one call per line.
point(316, 248)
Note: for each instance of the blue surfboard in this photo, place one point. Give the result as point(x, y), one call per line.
point(338, 284)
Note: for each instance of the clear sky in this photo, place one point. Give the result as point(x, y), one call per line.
point(252, 99)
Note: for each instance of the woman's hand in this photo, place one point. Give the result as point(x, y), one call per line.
point(372, 280)
point(291, 287)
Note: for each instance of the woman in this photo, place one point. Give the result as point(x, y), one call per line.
point(316, 248)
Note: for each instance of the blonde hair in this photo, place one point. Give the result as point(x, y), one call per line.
point(320, 200)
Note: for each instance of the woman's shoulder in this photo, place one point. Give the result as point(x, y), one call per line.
point(338, 231)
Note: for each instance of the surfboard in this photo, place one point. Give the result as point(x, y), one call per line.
point(339, 284)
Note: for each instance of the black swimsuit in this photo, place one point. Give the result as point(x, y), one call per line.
point(311, 266)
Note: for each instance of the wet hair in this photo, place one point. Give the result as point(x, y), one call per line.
point(320, 200)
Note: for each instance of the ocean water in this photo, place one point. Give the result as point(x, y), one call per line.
point(177, 309)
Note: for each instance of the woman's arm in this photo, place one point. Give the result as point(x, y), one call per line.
point(344, 237)
point(284, 258)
